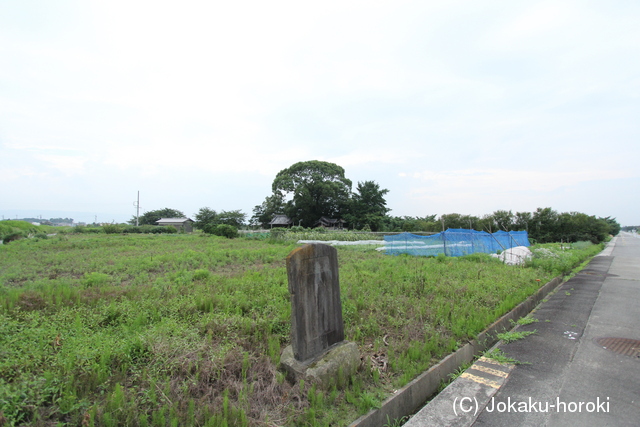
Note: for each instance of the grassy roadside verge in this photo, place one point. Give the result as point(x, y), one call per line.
point(180, 330)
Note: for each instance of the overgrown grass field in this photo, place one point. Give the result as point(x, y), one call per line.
point(172, 330)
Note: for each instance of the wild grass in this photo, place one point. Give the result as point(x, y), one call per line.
point(109, 329)
point(560, 259)
point(321, 234)
point(511, 336)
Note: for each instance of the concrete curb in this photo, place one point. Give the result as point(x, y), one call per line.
point(413, 396)
point(459, 403)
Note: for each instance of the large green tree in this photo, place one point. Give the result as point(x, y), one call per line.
point(151, 217)
point(313, 189)
point(368, 206)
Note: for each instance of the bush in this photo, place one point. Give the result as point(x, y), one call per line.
point(163, 230)
point(225, 230)
point(82, 229)
point(111, 229)
point(278, 233)
point(13, 236)
point(132, 229)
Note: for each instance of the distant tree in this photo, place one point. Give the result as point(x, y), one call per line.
point(417, 223)
point(368, 206)
point(522, 220)
point(316, 189)
point(263, 213)
point(410, 223)
point(152, 217)
point(576, 226)
point(614, 226)
point(234, 218)
point(503, 220)
point(544, 225)
point(456, 220)
point(392, 223)
point(206, 220)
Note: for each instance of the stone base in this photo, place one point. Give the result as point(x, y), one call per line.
point(335, 366)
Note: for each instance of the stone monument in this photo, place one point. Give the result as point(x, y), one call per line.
point(318, 351)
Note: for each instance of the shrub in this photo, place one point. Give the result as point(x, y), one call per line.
point(80, 229)
point(163, 230)
point(225, 230)
point(13, 236)
point(111, 229)
point(132, 229)
point(278, 233)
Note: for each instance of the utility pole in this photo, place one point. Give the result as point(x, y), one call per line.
point(137, 205)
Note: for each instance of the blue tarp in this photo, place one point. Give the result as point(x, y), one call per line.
point(454, 242)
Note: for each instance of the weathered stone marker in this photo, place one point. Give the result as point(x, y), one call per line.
point(318, 349)
point(316, 310)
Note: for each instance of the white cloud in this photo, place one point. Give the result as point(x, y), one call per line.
point(506, 180)
point(424, 95)
point(67, 165)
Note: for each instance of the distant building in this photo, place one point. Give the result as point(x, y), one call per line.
point(281, 221)
point(330, 223)
point(184, 225)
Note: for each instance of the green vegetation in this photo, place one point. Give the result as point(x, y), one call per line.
point(318, 189)
point(512, 336)
point(368, 207)
point(143, 329)
point(295, 234)
point(499, 356)
point(527, 320)
point(559, 259)
point(225, 223)
point(14, 230)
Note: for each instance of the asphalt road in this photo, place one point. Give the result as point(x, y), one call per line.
point(581, 367)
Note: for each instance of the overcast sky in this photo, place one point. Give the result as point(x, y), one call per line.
point(453, 106)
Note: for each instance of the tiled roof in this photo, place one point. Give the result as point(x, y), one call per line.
point(280, 220)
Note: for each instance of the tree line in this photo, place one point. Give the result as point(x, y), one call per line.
point(307, 191)
point(544, 225)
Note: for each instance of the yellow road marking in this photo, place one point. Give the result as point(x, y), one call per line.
point(480, 380)
point(490, 371)
point(492, 361)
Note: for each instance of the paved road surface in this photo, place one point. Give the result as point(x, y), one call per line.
point(568, 375)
